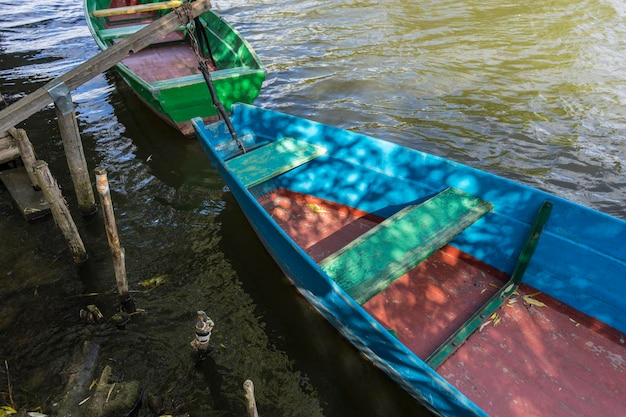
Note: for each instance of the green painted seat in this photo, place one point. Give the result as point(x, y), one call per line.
point(124, 31)
point(376, 259)
point(273, 159)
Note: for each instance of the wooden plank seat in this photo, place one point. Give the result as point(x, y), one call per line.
point(370, 263)
point(139, 8)
point(125, 31)
point(273, 159)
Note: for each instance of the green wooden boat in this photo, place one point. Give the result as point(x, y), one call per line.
point(165, 75)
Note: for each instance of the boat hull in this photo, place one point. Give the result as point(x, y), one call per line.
point(165, 76)
point(578, 266)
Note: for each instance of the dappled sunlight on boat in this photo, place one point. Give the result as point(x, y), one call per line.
point(549, 349)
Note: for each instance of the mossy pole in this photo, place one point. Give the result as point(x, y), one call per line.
point(119, 259)
point(60, 211)
point(73, 147)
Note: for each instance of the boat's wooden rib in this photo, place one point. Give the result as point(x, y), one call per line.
point(499, 298)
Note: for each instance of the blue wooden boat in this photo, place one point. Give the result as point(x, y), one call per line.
point(478, 295)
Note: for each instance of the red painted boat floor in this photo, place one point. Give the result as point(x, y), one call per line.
point(540, 358)
point(534, 357)
point(166, 59)
point(163, 62)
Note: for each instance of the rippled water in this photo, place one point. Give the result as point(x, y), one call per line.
point(534, 91)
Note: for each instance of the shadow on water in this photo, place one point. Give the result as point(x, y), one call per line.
point(175, 222)
point(347, 382)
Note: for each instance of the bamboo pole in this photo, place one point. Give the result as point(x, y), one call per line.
point(40, 98)
point(119, 258)
point(27, 153)
point(73, 147)
point(60, 211)
point(248, 390)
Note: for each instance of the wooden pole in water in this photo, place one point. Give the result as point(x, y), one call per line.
point(73, 147)
point(248, 389)
point(119, 261)
point(60, 211)
point(27, 153)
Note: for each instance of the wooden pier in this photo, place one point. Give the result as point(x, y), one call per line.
point(29, 181)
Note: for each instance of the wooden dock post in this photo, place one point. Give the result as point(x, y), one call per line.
point(248, 390)
point(60, 211)
point(119, 261)
point(73, 148)
point(27, 154)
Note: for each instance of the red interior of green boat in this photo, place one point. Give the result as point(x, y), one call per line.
point(534, 353)
point(168, 58)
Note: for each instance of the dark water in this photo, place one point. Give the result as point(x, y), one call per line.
point(534, 91)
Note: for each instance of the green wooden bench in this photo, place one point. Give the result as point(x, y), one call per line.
point(138, 8)
point(124, 31)
point(273, 159)
point(377, 258)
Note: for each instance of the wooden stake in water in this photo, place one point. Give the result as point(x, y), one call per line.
point(60, 211)
point(119, 262)
point(248, 389)
point(73, 147)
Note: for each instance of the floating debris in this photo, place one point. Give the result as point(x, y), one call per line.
point(154, 282)
point(91, 314)
point(204, 326)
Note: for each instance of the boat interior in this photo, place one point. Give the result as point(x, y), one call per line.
point(168, 58)
point(510, 348)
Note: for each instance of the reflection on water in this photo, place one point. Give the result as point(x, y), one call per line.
point(532, 91)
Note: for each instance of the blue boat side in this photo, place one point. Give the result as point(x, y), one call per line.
point(580, 259)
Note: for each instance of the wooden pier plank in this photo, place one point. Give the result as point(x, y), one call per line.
point(30, 202)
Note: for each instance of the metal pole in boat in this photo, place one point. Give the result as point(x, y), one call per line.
point(204, 69)
point(119, 265)
point(218, 104)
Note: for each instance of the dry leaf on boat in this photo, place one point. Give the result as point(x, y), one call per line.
point(315, 208)
point(482, 326)
point(528, 299)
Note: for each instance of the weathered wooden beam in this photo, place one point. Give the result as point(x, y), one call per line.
point(40, 98)
point(73, 147)
point(60, 211)
point(117, 251)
